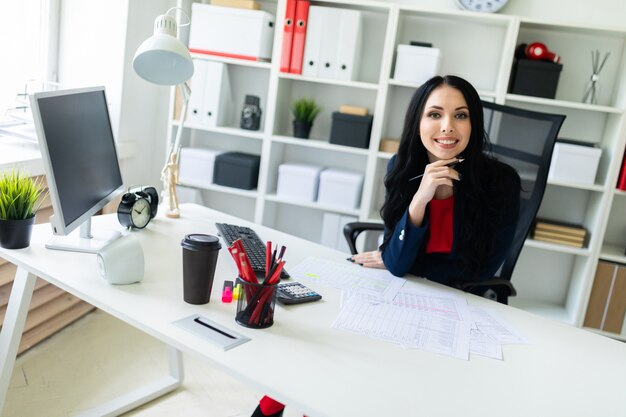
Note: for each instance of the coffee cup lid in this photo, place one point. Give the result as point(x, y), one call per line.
point(201, 241)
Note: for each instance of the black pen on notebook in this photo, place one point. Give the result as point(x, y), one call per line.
point(451, 164)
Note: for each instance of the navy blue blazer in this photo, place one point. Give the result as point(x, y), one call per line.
point(404, 250)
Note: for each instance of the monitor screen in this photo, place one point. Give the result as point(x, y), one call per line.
point(79, 154)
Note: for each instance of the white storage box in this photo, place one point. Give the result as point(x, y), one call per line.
point(196, 166)
point(332, 231)
point(340, 188)
point(574, 163)
point(416, 63)
point(232, 32)
point(298, 181)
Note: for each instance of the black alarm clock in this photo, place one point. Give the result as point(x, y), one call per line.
point(251, 114)
point(137, 207)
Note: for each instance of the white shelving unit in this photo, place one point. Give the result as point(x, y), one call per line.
point(552, 280)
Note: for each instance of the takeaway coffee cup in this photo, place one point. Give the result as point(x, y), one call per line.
point(199, 261)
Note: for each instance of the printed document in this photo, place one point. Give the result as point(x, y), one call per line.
point(422, 326)
point(348, 277)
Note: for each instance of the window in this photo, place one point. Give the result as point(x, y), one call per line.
point(28, 41)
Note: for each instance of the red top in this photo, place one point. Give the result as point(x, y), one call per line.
point(441, 222)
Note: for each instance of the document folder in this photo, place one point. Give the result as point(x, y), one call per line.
point(288, 29)
point(299, 36)
point(310, 66)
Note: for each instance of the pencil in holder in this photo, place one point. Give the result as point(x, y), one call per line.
point(256, 304)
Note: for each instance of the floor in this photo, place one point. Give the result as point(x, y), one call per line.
point(99, 357)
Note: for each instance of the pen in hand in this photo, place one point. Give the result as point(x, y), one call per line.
point(451, 164)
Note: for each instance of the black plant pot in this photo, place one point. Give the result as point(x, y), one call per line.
point(15, 234)
point(301, 129)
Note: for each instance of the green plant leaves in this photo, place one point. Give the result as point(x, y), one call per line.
point(305, 110)
point(18, 195)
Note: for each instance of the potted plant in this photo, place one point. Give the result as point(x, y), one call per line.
point(18, 198)
point(304, 111)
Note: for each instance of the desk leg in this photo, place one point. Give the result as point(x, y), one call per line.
point(13, 325)
point(143, 395)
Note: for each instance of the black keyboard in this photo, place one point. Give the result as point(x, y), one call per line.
point(252, 243)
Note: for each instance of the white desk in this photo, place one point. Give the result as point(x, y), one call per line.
point(303, 362)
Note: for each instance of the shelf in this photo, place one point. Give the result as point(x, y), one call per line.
point(410, 84)
point(613, 253)
point(562, 103)
point(616, 336)
point(555, 247)
point(620, 193)
point(222, 129)
point(578, 186)
point(319, 144)
point(547, 310)
point(233, 61)
point(351, 84)
point(315, 206)
point(223, 189)
point(385, 155)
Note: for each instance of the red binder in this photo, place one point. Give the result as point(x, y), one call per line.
point(299, 36)
point(621, 182)
point(290, 16)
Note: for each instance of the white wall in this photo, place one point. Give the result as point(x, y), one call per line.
point(97, 42)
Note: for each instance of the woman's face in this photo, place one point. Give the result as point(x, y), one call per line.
point(445, 125)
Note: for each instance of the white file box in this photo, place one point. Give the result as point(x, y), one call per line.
point(348, 46)
point(211, 102)
point(298, 181)
point(574, 163)
point(340, 188)
point(333, 43)
point(416, 63)
point(332, 231)
point(232, 32)
point(196, 166)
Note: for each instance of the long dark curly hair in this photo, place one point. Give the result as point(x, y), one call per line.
point(487, 185)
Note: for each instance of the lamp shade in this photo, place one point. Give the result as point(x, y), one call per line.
point(162, 58)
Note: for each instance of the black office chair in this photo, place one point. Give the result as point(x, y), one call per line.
point(525, 140)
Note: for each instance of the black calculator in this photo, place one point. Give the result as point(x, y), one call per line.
point(296, 293)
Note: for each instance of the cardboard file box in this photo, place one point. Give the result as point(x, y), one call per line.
point(197, 166)
point(416, 64)
point(232, 32)
point(607, 303)
point(351, 130)
point(574, 163)
point(530, 77)
point(340, 188)
point(298, 181)
point(237, 169)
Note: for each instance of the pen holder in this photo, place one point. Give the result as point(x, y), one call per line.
point(256, 304)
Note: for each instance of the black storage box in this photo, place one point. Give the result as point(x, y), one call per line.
point(237, 169)
point(351, 130)
point(535, 78)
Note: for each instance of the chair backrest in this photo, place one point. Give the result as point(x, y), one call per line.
point(525, 140)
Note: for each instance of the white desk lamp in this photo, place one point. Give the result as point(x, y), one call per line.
point(163, 59)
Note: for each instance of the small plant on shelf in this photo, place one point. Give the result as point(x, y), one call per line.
point(304, 111)
point(19, 194)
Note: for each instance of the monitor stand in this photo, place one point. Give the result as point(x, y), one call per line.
point(83, 240)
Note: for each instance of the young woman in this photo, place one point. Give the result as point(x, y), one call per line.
point(450, 209)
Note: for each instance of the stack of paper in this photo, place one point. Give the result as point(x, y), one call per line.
point(376, 305)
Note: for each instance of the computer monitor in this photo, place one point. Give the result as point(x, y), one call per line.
point(80, 160)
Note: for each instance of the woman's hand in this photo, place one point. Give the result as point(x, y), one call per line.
point(436, 174)
point(371, 259)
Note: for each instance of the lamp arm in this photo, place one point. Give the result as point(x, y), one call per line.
point(174, 148)
point(185, 92)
